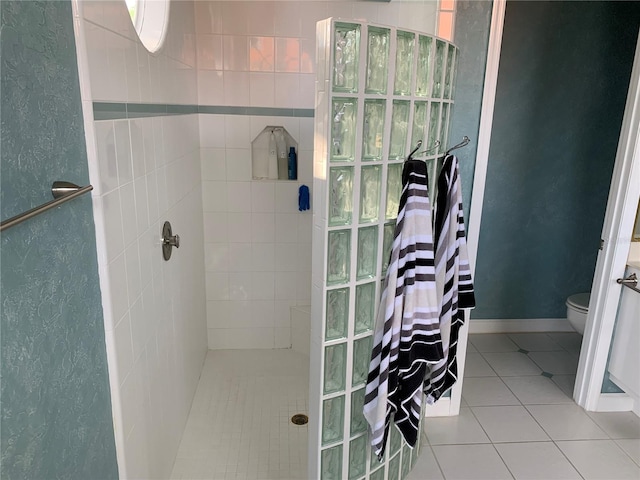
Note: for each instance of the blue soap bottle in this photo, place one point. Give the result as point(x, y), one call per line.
point(292, 164)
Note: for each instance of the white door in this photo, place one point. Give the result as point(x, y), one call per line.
point(611, 263)
point(624, 363)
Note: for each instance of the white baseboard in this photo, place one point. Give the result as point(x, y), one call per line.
point(442, 408)
point(615, 402)
point(519, 325)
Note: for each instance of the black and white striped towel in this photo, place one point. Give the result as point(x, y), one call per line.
point(407, 335)
point(453, 277)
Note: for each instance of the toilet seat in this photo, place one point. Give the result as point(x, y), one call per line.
point(579, 302)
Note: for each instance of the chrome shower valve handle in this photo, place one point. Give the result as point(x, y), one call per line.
point(168, 241)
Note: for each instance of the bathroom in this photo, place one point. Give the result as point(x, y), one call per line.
point(257, 252)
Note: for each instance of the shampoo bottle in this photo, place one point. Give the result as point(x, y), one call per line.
point(293, 164)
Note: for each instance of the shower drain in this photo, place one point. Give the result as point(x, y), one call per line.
point(299, 419)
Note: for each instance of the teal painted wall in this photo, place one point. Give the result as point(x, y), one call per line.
point(562, 85)
point(56, 408)
point(473, 23)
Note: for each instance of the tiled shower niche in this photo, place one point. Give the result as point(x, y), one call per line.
point(379, 90)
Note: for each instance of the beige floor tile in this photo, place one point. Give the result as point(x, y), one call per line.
point(570, 341)
point(534, 342)
point(492, 342)
point(426, 467)
point(509, 364)
point(536, 390)
point(557, 363)
point(566, 422)
point(618, 424)
point(631, 447)
point(477, 366)
point(466, 462)
point(461, 429)
point(599, 460)
point(565, 383)
point(487, 391)
point(509, 424)
point(536, 460)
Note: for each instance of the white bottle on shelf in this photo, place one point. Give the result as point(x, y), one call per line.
point(281, 145)
point(273, 157)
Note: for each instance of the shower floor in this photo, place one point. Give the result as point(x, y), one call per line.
point(240, 425)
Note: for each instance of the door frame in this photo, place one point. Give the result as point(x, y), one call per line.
point(617, 229)
point(619, 218)
point(451, 406)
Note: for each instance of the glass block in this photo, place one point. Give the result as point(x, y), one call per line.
point(454, 73)
point(373, 129)
point(438, 69)
point(432, 174)
point(358, 422)
point(367, 252)
point(340, 195)
point(370, 193)
point(387, 244)
point(395, 440)
point(434, 117)
point(343, 129)
point(419, 442)
point(448, 75)
point(337, 313)
point(399, 129)
point(335, 368)
point(346, 57)
point(444, 124)
point(424, 62)
point(332, 419)
point(406, 461)
point(331, 463)
point(394, 190)
point(339, 256)
point(420, 125)
point(377, 60)
point(404, 63)
point(365, 308)
point(394, 468)
point(378, 474)
point(357, 457)
point(361, 360)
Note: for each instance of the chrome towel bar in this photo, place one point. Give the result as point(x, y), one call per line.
point(62, 192)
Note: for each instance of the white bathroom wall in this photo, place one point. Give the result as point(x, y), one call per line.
point(145, 171)
point(262, 53)
point(258, 54)
point(257, 243)
point(122, 70)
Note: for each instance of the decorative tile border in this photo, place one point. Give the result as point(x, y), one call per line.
point(120, 110)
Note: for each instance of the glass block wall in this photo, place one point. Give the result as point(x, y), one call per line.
point(379, 91)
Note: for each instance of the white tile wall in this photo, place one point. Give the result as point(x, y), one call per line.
point(157, 308)
point(262, 53)
point(146, 171)
point(257, 243)
point(255, 270)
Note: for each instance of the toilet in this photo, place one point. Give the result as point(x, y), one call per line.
point(577, 309)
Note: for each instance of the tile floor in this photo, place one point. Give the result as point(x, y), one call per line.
point(239, 426)
point(517, 421)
